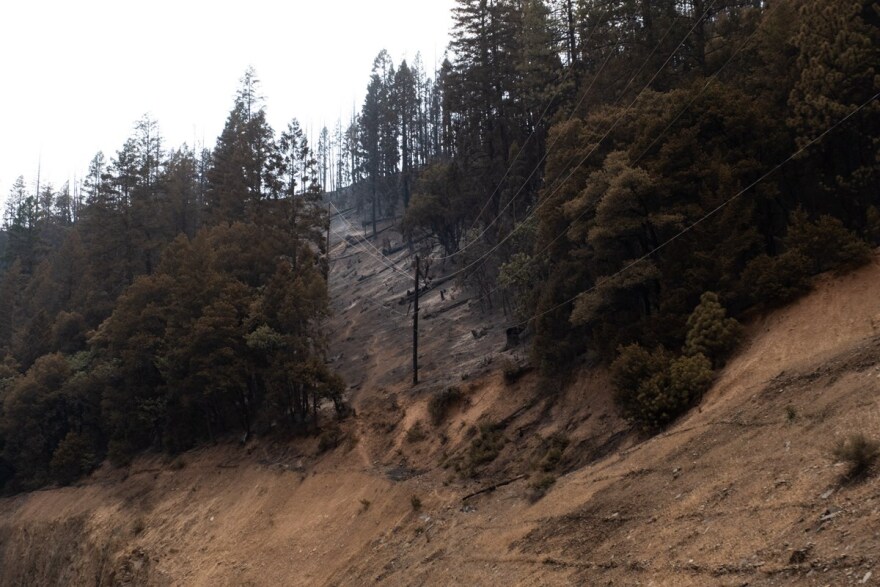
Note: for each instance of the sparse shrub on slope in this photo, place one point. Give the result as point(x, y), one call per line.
point(441, 402)
point(416, 433)
point(484, 448)
point(859, 452)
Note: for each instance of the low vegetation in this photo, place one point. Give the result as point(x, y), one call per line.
point(487, 440)
point(416, 433)
point(442, 402)
point(859, 452)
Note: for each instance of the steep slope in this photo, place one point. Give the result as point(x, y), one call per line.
point(740, 491)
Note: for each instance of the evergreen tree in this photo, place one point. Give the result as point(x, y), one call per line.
point(710, 332)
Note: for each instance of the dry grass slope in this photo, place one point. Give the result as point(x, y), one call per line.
point(743, 491)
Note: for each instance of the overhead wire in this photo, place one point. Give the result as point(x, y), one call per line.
point(656, 139)
point(365, 298)
point(549, 149)
point(382, 258)
point(705, 216)
point(588, 155)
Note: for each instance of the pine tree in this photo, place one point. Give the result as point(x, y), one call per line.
point(839, 57)
point(243, 164)
point(710, 332)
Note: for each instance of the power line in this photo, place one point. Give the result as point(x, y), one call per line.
point(657, 138)
point(574, 110)
point(705, 216)
point(367, 299)
point(582, 161)
point(381, 258)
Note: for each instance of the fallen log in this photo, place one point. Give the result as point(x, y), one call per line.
point(446, 309)
point(494, 486)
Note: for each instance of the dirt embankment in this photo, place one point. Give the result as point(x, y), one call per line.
point(742, 491)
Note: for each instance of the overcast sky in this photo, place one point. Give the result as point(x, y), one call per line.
point(77, 74)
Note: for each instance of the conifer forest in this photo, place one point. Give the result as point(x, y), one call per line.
point(623, 180)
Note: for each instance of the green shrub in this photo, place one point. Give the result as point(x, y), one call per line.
point(710, 331)
point(633, 366)
point(416, 503)
point(73, 457)
point(859, 452)
point(653, 389)
point(329, 438)
point(513, 371)
point(540, 486)
point(441, 402)
point(776, 280)
point(826, 242)
point(416, 433)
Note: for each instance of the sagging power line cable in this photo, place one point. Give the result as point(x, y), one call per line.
point(654, 142)
point(587, 156)
point(574, 111)
point(704, 217)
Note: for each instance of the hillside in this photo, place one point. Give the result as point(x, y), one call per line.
point(740, 491)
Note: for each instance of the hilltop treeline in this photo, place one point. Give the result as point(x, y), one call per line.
point(596, 166)
point(622, 176)
point(174, 297)
point(562, 144)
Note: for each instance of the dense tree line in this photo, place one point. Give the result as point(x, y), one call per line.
point(623, 176)
point(172, 297)
point(570, 140)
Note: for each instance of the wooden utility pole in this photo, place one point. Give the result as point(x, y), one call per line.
point(416, 326)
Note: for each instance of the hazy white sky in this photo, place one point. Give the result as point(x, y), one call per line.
point(77, 74)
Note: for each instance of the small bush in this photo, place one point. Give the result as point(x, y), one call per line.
point(827, 242)
point(790, 413)
point(365, 505)
point(540, 486)
point(440, 404)
point(555, 447)
point(329, 439)
point(776, 280)
point(485, 447)
point(653, 389)
point(513, 371)
point(416, 433)
point(138, 527)
point(859, 452)
point(416, 503)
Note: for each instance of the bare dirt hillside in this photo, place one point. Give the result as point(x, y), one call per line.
point(742, 491)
